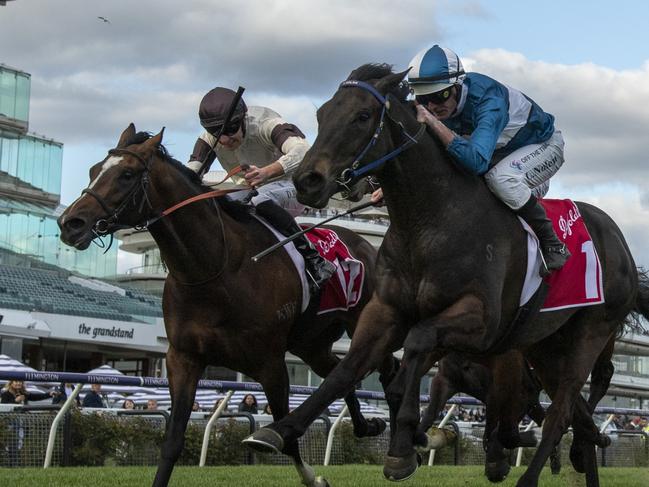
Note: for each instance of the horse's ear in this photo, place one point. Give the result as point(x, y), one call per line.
point(391, 81)
point(155, 141)
point(127, 135)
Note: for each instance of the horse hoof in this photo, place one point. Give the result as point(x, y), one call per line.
point(372, 427)
point(434, 439)
point(376, 427)
point(603, 441)
point(496, 471)
point(321, 482)
point(420, 442)
point(397, 469)
point(555, 465)
point(265, 440)
point(527, 439)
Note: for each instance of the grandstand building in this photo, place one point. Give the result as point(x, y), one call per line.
point(54, 313)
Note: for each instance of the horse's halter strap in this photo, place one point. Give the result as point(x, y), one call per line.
point(355, 171)
point(109, 224)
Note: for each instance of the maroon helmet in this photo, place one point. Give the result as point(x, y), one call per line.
point(214, 108)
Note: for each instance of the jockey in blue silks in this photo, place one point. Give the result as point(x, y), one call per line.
point(495, 131)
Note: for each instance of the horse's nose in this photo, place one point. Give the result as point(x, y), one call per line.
point(70, 226)
point(309, 182)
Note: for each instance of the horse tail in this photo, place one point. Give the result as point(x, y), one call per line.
point(641, 307)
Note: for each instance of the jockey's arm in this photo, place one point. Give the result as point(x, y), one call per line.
point(293, 150)
point(441, 131)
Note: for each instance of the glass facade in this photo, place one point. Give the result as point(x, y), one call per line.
point(14, 94)
point(27, 225)
point(36, 234)
point(33, 160)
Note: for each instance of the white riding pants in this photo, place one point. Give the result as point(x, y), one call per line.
point(281, 192)
point(526, 171)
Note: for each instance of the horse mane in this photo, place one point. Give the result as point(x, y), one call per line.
point(375, 71)
point(235, 209)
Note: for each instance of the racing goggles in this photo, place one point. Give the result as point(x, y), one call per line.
point(436, 98)
point(230, 129)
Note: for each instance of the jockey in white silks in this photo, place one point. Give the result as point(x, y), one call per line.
point(260, 140)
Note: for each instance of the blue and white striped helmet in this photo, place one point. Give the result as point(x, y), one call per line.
point(435, 69)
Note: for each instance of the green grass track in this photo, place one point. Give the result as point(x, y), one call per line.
point(267, 476)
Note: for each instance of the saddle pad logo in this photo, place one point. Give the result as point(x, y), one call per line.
point(343, 290)
point(579, 281)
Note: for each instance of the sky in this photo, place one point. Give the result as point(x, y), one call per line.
point(585, 62)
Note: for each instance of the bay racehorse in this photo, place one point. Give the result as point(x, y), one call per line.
point(449, 276)
point(219, 307)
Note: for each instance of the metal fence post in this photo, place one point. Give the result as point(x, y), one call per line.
point(208, 427)
point(52, 438)
point(330, 436)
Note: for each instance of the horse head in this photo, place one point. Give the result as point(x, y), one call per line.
point(349, 125)
point(117, 194)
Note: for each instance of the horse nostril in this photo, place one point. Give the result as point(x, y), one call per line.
point(310, 181)
point(74, 224)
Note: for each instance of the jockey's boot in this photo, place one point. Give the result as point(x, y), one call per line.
point(555, 253)
point(318, 269)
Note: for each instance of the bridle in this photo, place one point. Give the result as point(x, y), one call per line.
point(110, 223)
point(356, 170)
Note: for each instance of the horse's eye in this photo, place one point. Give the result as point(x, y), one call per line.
point(127, 175)
point(363, 116)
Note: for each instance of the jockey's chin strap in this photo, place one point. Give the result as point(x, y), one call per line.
point(355, 171)
point(109, 224)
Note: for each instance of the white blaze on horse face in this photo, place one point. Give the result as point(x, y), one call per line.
point(112, 161)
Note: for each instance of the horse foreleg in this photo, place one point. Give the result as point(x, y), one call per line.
point(322, 361)
point(184, 372)
point(274, 380)
point(402, 460)
point(387, 372)
point(376, 335)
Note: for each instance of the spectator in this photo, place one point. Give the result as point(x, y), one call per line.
point(128, 404)
point(15, 393)
point(248, 404)
point(152, 405)
point(62, 392)
point(94, 398)
point(196, 407)
point(267, 410)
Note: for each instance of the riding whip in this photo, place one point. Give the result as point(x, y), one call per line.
point(235, 101)
point(281, 243)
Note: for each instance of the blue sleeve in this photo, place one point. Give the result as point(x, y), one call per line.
point(474, 154)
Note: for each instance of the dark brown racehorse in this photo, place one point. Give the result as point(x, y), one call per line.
point(449, 276)
point(219, 307)
point(457, 373)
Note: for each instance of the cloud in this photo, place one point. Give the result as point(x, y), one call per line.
point(601, 112)
point(156, 59)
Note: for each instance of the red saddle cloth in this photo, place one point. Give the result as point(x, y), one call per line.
point(343, 290)
point(579, 281)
